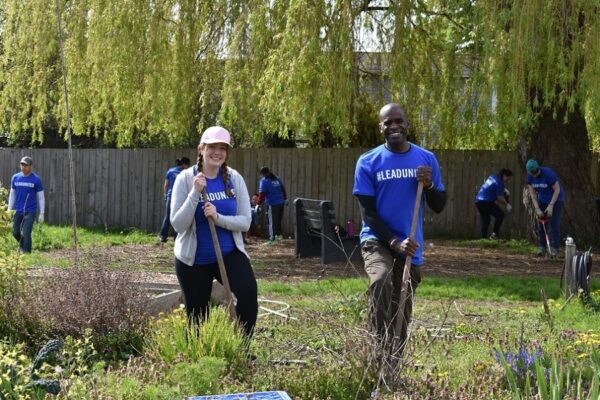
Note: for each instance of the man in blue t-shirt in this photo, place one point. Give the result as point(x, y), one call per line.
point(385, 184)
point(182, 163)
point(272, 192)
point(548, 198)
point(492, 193)
point(26, 197)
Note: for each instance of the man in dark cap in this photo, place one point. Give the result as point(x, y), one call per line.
point(547, 196)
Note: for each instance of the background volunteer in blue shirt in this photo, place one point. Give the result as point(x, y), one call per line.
point(228, 205)
point(490, 194)
point(385, 184)
point(181, 164)
point(26, 197)
point(272, 192)
point(548, 197)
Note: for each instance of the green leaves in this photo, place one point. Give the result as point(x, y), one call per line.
point(471, 74)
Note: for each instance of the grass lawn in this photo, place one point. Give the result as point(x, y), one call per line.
point(323, 352)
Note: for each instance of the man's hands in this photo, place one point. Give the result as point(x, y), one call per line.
point(508, 207)
point(41, 218)
point(424, 175)
point(549, 210)
point(539, 213)
point(408, 246)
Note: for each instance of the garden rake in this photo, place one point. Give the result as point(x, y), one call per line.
point(543, 222)
point(401, 324)
point(222, 270)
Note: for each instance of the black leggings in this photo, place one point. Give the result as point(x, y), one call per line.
point(196, 283)
point(488, 209)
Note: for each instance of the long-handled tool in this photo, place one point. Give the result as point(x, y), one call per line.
point(400, 317)
point(543, 222)
point(222, 270)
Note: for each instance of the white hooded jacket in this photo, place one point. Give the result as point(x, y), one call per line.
point(184, 201)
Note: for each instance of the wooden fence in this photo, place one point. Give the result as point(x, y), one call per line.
point(123, 188)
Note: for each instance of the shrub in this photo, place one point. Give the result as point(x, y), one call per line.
point(22, 378)
point(173, 339)
point(109, 306)
point(12, 273)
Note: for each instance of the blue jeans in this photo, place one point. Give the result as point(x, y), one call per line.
point(554, 234)
point(166, 224)
point(22, 227)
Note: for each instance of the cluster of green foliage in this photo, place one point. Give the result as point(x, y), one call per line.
point(12, 272)
point(23, 377)
point(472, 74)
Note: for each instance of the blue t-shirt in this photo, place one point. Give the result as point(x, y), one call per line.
point(543, 185)
point(26, 189)
point(392, 179)
point(492, 188)
point(273, 190)
point(170, 176)
point(205, 251)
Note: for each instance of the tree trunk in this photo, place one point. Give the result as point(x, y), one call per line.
point(564, 147)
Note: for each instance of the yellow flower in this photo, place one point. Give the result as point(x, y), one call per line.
point(583, 355)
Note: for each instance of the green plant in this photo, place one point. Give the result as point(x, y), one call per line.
point(203, 376)
point(22, 378)
point(172, 338)
point(12, 273)
point(554, 382)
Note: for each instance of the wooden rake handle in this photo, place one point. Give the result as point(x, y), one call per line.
point(407, 264)
point(222, 270)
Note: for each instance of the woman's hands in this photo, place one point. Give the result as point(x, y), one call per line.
point(210, 211)
point(200, 182)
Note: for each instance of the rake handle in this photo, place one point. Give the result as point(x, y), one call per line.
point(222, 270)
point(408, 261)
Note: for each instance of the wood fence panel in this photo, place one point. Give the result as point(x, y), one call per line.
point(123, 188)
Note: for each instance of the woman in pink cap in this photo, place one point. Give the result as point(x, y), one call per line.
point(228, 205)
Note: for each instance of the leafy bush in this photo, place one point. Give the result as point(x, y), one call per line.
point(22, 378)
point(106, 305)
point(173, 339)
point(12, 272)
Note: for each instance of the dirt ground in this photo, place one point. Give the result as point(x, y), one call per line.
point(277, 261)
point(442, 258)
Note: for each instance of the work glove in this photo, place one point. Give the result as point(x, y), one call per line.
point(539, 213)
point(41, 218)
point(549, 210)
point(508, 207)
point(506, 192)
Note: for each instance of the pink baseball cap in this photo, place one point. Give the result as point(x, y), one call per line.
point(216, 134)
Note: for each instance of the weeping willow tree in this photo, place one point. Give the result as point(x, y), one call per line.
point(138, 71)
point(542, 61)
